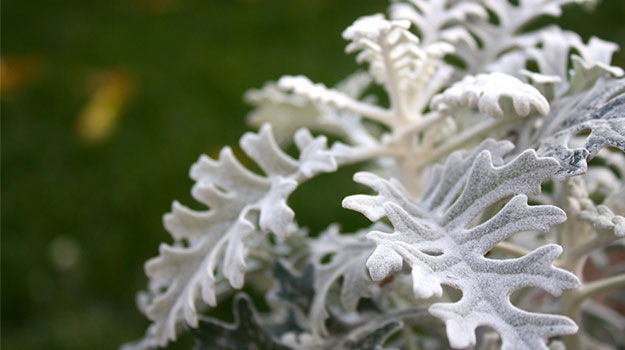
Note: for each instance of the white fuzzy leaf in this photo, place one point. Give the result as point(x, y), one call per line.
point(411, 75)
point(409, 72)
point(217, 239)
point(512, 18)
point(551, 48)
point(349, 254)
point(319, 93)
point(285, 112)
point(485, 92)
point(608, 225)
point(600, 109)
point(604, 220)
point(432, 236)
point(294, 103)
point(438, 20)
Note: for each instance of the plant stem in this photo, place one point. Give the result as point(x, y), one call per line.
point(511, 249)
point(422, 124)
point(365, 153)
point(590, 289)
point(398, 104)
point(367, 110)
point(461, 140)
point(409, 339)
point(572, 303)
point(576, 256)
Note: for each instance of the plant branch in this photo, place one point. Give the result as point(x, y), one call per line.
point(398, 104)
point(577, 253)
point(461, 140)
point(607, 284)
point(409, 339)
point(364, 109)
point(511, 249)
point(422, 124)
point(362, 154)
point(572, 302)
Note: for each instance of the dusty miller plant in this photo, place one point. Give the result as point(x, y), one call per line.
point(464, 250)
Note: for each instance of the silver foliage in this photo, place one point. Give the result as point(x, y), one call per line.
point(559, 116)
point(600, 109)
point(348, 256)
point(485, 92)
point(218, 239)
point(432, 236)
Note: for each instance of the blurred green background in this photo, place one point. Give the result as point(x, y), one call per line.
point(106, 104)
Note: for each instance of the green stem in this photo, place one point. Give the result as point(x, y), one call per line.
point(409, 339)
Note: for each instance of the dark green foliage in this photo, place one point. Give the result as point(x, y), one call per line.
point(245, 333)
point(294, 289)
point(375, 339)
point(291, 323)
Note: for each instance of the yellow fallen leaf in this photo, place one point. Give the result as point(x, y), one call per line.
point(100, 116)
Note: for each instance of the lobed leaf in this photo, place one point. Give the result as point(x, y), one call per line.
point(485, 91)
point(349, 253)
point(292, 288)
point(217, 240)
point(551, 49)
point(464, 23)
point(375, 339)
point(289, 106)
point(246, 332)
point(440, 20)
point(411, 73)
point(434, 238)
point(600, 109)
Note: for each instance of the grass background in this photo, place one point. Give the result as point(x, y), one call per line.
point(165, 78)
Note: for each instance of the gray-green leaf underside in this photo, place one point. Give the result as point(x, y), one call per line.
point(600, 110)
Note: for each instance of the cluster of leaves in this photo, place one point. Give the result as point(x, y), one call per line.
point(466, 212)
